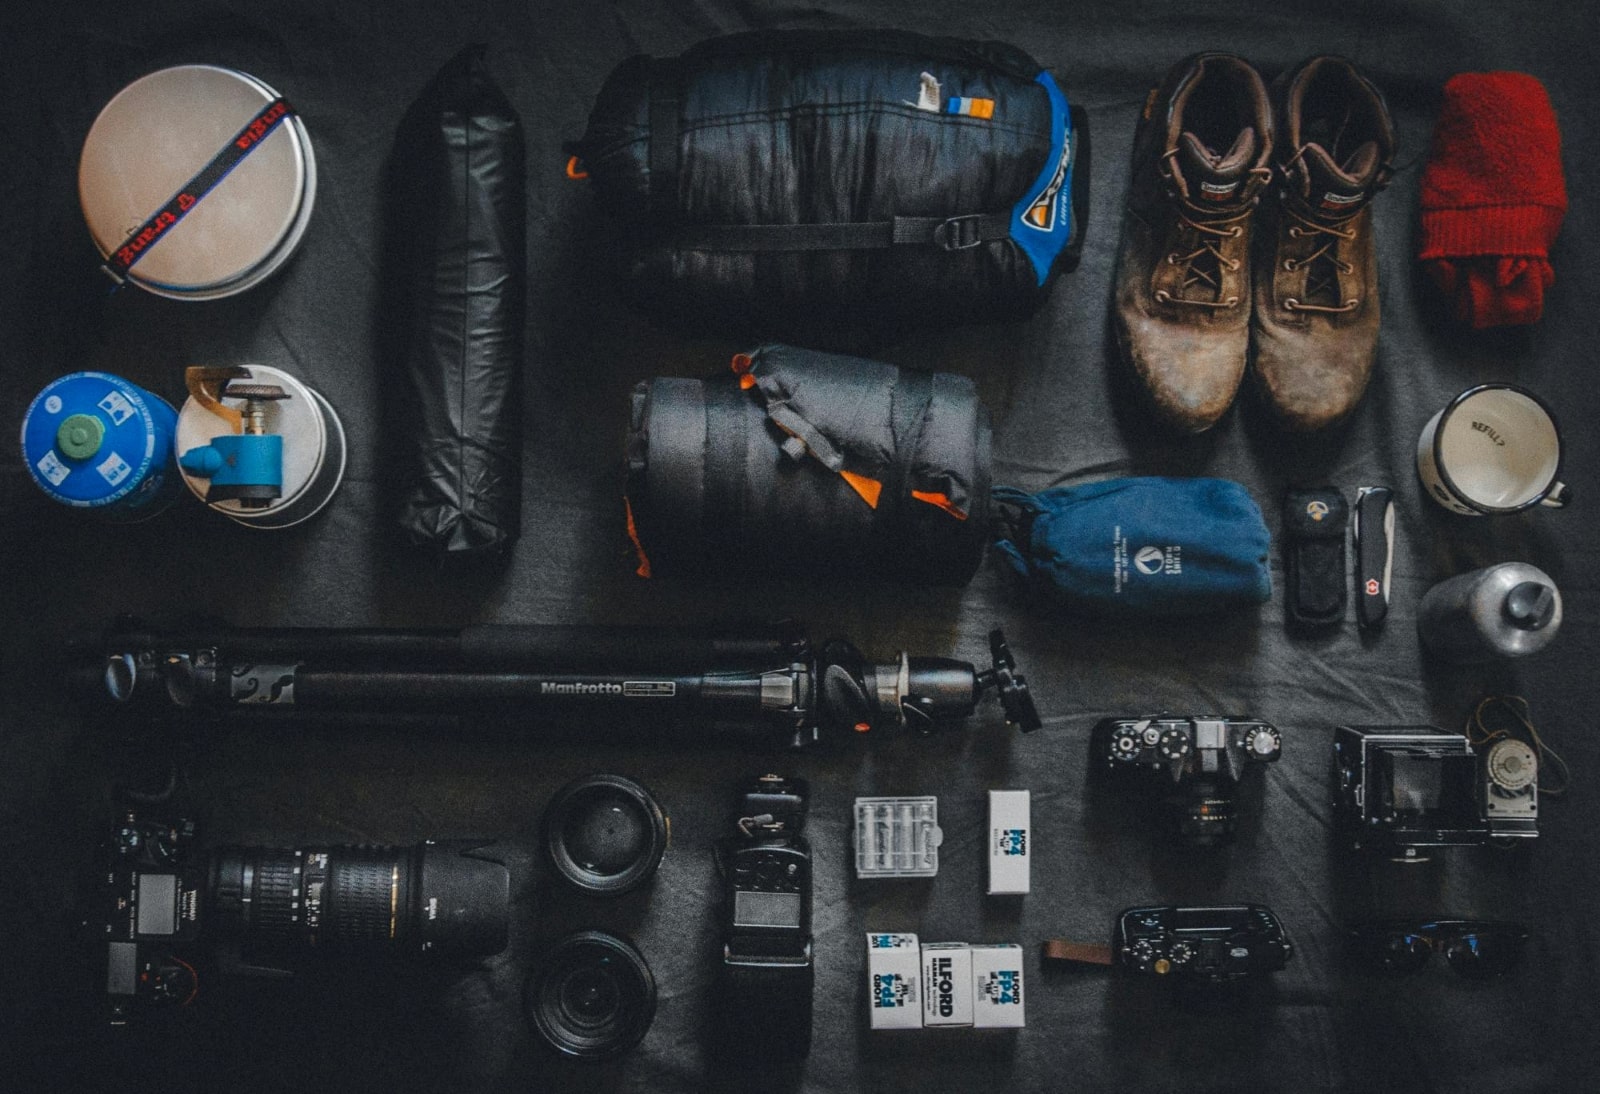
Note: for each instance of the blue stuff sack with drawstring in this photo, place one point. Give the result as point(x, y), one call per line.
point(1138, 547)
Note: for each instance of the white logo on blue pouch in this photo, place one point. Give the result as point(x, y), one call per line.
point(1157, 560)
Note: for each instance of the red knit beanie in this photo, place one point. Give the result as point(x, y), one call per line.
point(1493, 197)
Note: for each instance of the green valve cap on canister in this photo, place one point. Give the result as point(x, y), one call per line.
point(80, 436)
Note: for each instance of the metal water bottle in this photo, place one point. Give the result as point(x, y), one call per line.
point(1509, 610)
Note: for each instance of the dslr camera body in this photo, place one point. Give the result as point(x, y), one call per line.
point(1399, 789)
point(1200, 759)
point(151, 912)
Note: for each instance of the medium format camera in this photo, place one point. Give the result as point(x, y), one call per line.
point(1200, 759)
point(163, 906)
point(1214, 944)
point(1398, 789)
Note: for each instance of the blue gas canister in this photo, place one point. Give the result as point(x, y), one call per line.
point(92, 440)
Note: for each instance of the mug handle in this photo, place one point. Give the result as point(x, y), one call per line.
point(1559, 496)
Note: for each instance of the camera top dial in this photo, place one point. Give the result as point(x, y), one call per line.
point(1263, 742)
point(1175, 745)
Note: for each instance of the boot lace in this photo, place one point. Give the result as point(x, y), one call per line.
point(1323, 265)
point(1320, 278)
point(1204, 265)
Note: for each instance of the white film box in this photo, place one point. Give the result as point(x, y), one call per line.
point(894, 967)
point(997, 987)
point(946, 984)
point(1009, 842)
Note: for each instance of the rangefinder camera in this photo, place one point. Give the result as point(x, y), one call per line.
point(1212, 944)
point(1199, 759)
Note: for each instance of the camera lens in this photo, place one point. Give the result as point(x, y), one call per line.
point(1205, 811)
point(592, 997)
point(444, 898)
point(605, 834)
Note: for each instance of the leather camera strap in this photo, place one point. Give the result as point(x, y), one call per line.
point(1082, 953)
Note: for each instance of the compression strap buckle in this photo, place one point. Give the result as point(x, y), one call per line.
point(960, 233)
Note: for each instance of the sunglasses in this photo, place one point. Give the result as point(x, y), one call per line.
point(1475, 949)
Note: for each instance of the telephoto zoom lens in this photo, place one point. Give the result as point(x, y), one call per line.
point(449, 898)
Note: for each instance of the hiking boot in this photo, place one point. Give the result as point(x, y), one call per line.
point(1200, 158)
point(1316, 280)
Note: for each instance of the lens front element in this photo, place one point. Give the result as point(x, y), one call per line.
point(605, 834)
point(593, 996)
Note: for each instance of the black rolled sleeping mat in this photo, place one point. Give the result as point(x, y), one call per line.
point(800, 462)
point(456, 227)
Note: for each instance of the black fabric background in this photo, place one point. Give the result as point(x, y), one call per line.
point(352, 69)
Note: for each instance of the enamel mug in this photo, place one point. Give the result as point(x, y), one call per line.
point(1495, 448)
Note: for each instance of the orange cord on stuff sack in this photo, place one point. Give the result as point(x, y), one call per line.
point(633, 534)
point(940, 500)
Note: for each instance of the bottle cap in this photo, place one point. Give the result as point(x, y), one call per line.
point(1530, 605)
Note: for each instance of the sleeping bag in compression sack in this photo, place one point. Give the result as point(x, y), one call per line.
point(799, 462)
point(806, 179)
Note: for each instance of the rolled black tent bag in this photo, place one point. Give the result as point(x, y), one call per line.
point(806, 179)
point(456, 234)
point(799, 462)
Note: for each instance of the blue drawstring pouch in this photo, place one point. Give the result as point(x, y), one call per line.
point(1138, 547)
